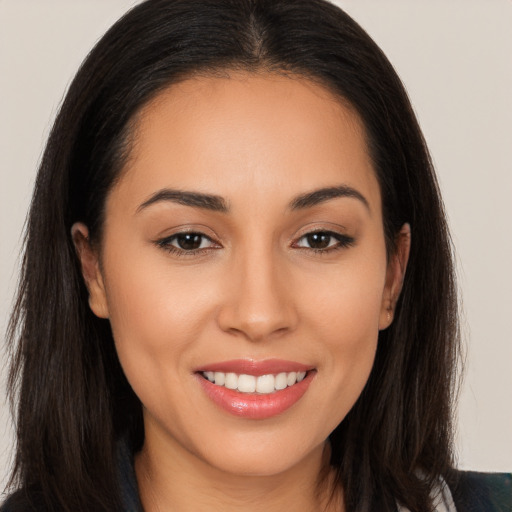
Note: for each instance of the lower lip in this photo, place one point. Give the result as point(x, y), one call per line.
point(253, 405)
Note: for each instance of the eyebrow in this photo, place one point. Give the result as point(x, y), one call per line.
point(321, 195)
point(193, 199)
point(218, 204)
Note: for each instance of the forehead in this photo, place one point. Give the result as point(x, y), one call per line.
point(266, 132)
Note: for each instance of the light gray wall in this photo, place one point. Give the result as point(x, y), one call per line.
point(455, 59)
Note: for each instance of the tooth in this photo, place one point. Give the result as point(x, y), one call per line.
point(265, 384)
point(291, 379)
point(231, 380)
point(281, 381)
point(247, 383)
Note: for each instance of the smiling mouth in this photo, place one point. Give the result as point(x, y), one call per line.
point(262, 384)
point(255, 390)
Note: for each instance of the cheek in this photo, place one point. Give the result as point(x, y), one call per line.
point(155, 315)
point(349, 299)
point(344, 318)
point(352, 330)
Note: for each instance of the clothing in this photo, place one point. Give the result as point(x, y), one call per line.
point(471, 491)
point(483, 492)
point(441, 497)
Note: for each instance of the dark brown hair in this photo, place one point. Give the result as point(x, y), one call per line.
point(73, 401)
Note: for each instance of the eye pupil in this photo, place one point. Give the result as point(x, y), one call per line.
point(319, 240)
point(189, 241)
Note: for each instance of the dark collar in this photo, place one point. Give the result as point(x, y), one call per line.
point(127, 479)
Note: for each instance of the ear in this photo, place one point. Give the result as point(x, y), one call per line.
point(91, 272)
point(395, 276)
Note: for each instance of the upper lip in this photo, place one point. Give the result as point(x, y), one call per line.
point(255, 367)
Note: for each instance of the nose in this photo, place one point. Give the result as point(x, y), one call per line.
point(259, 302)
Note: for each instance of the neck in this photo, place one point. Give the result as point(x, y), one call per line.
point(172, 479)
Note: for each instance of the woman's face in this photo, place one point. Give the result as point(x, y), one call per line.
point(245, 237)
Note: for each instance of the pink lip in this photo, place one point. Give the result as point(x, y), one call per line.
point(254, 405)
point(256, 368)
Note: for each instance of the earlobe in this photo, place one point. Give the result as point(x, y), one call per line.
point(91, 272)
point(395, 275)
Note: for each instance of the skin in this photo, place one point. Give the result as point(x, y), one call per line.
point(256, 289)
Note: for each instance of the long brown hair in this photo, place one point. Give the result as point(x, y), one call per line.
point(73, 401)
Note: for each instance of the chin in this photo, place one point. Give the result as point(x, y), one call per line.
point(259, 457)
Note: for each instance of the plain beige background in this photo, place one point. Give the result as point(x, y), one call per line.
point(455, 57)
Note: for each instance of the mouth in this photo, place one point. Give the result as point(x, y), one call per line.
point(262, 384)
point(255, 389)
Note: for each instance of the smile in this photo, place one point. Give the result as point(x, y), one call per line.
point(255, 390)
point(262, 384)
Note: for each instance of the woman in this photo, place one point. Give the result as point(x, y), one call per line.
point(250, 294)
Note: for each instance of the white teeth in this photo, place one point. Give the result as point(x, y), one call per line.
point(291, 379)
point(263, 384)
point(231, 381)
point(281, 381)
point(247, 383)
point(219, 378)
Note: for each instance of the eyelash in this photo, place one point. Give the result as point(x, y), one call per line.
point(343, 242)
point(165, 244)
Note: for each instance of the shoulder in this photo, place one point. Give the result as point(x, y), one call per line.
point(32, 500)
point(19, 502)
point(24, 500)
point(481, 492)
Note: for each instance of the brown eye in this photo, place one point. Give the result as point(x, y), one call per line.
point(189, 241)
point(319, 240)
point(324, 241)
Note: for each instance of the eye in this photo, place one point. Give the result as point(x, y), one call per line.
point(188, 242)
point(324, 241)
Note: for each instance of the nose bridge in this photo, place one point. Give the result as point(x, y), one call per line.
point(259, 303)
